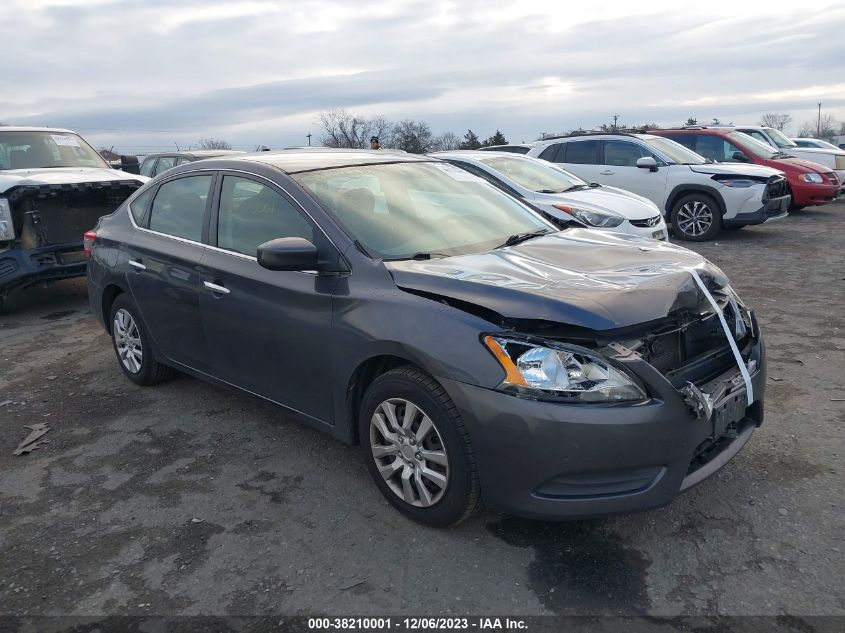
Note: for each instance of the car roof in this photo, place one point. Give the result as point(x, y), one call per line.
point(481, 155)
point(593, 135)
point(492, 148)
point(22, 128)
point(298, 160)
point(199, 153)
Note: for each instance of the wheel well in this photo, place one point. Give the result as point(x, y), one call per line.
point(110, 293)
point(682, 191)
point(362, 378)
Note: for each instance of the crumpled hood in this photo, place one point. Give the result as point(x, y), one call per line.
point(580, 277)
point(735, 170)
point(628, 205)
point(63, 176)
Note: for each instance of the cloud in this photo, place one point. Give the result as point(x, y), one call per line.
point(148, 74)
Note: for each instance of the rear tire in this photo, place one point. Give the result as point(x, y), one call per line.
point(696, 217)
point(132, 345)
point(417, 448)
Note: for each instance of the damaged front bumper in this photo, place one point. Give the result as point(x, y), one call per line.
point(774, 208)
point(20, 268)
point(48, 222)
point(551, 461)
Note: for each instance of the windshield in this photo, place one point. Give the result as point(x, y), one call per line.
point(534, 176)
point(753, 146)
point(780, 138)
point(403, 210)
point(35, 150)
point(675, 151)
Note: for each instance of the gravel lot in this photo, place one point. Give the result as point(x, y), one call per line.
point(187, 499)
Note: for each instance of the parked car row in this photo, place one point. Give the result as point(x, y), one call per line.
point(701, 178)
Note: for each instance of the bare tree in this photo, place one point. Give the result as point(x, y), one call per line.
point(342, 129)
point(412, 136)
point(213, 143)
point(383, 128)
point(776, 120)
point(445, 142)
point(826, 127)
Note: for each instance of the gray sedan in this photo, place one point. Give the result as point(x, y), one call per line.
point(472, 349)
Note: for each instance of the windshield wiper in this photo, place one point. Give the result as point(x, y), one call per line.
point(554, 190)
point(518, 238)
point(417, 257)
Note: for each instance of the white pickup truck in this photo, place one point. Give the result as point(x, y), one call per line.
point(53, 187)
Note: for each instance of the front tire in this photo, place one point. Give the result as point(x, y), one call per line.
point(132, 345)
point(696, 217)
point(417, 448)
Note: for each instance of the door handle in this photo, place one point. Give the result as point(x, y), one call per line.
point(215, 288)
point(137, 265)
point(607, 172)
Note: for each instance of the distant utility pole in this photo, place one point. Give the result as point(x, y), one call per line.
point(819, 124)
point(309, 139)
point(615, 118)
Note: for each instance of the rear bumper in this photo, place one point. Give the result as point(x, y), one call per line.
point(774, 208)
point(20, 268)
point(551, 461)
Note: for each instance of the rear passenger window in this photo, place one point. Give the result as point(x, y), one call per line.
point(179, 207)
point(165, 163)
point(252, 213)
point(580, 153)
point(687, 140)
point(147, 166)
point(549, 153)
point(138, 206)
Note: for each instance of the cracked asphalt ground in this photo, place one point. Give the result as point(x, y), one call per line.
point(187, 499)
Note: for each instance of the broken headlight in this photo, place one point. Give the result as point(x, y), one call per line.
point(555, 371)
point(7, 229)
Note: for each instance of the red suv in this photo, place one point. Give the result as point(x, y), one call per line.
point(809, 182)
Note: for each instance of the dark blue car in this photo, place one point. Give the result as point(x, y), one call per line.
point(475, 351)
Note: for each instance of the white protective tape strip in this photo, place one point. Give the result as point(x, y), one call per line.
point(749, 390)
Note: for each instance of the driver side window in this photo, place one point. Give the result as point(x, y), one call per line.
point(252, 213)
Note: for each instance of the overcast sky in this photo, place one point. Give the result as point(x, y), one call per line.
point(143, 75)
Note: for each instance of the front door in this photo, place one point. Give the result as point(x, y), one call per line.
point(268, 331)
point(163, 268)
point(619, 169)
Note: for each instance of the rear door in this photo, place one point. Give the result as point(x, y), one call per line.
point(619, 169)
point(162, 267)
point(268, 331)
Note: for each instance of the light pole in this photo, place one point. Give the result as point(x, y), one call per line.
point(309, 138)
point(819, 124)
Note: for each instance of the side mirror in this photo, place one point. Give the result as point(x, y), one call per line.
point(647, 162)
point(130, 164)
point(740, 157)
point(288, 253)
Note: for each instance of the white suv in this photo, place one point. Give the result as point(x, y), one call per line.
point(697, 197)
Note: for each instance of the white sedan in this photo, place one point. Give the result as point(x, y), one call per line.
point(563, 195)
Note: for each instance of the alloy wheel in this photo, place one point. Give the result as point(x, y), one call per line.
point(695, 218)
point(127, 340)
point(409, 452)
